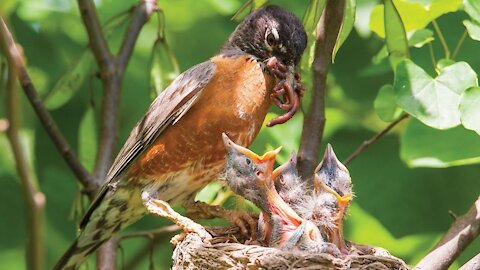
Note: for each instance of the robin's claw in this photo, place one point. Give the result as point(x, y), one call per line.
point(242, 219)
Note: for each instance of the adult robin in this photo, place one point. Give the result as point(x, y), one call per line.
point(251, 176)
point(176, 148)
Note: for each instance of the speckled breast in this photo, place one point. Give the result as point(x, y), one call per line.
point(191, 153)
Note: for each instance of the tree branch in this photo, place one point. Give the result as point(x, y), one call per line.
point(150, 233)
point(375, 138)
point(44, 116)
point(462, 232)
point(111, 71)
point(95, 35)
point(314, 121)
point(34, 198)
point(141, 14)
point(472, 264)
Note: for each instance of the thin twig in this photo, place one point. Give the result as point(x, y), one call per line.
point(141, 14)
point(95, 35)
point(44, 116)
point(142, 252)
point(314, 121)
point(150, 233)
point(472, 264)
point(34, 198)
point(442, 39)
point(462, 232)
point(375, 138)
point(459, 44)
point(432, 55)
point(111, 69)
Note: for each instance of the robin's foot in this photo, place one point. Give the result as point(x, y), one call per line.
point(163, 209)
point(242, 219)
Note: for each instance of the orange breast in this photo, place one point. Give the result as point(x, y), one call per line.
point(235, 101)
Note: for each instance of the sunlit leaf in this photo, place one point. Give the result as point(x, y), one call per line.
point(163, 67)
point(422, 146)
point(395, 35)
point(248, 7)
point(443, 63)
point(73, 79)
point(225, 7)
point(208, 193)
point(416, 38)
point(420, 37)
point(473, 29)
point(346, 27)
point(470, 109)
point(472, 7)
point(310, 22)
point(434, 101)
point(87, 139)
point(414, 15)
point(385, 104)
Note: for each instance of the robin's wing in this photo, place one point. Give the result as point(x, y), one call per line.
point(165, 111)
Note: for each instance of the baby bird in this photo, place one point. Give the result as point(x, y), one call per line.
point(251, 176)
point(288, 183)
point(332, 190)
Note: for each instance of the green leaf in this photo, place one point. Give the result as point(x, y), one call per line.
point(443, 63)
point(422, 146)
point(87, 139)
point(420, 37)
point(395, 35)
point(70, 82)
point(346, 27)
point(472, 7)
point(473, 29)
point(310, 22)
point(470, 109)
point(416, 38)
point(163, 67)
point(208, 193)
point(433, 101)
point(385, 104)
point(414, 15)
point(73, 79)
point(253, 4)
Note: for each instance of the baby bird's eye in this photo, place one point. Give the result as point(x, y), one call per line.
point(248, 161)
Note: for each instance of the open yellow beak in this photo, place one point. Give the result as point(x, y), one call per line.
point(268, 156)
point(342, 200)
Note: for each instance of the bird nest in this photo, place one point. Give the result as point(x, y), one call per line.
point(228, 249)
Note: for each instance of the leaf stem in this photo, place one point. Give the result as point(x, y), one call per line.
point(459, 44)
point(432, 56)
point(314, 121)
point(442, 39)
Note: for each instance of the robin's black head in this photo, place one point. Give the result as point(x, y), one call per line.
point(270, 31)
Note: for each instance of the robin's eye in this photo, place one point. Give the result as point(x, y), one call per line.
point(248, 161)
point(270, 38)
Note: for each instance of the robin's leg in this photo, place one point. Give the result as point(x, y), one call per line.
point(201, 210)
point(163, 209)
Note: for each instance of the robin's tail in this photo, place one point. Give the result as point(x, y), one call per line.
point(76, 255)
point(107, 216)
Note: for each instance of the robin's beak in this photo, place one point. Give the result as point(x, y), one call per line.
point(330, 164)
point(268, 157)
point(291, 163)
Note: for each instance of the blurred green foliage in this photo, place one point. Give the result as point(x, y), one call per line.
point(405, 183)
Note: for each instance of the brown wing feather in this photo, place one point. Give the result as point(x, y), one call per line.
point(166, 110)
